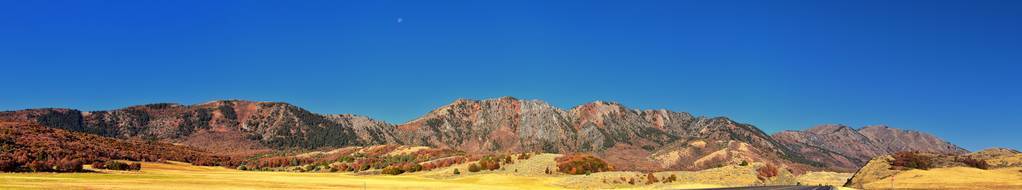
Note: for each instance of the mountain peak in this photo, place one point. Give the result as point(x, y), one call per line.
point(828, 128)
point(507, 98)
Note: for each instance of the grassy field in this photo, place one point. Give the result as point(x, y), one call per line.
point(184, 176)
point(824, 178)
point(953, 178)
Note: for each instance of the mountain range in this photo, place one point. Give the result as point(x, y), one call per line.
point(630, 139)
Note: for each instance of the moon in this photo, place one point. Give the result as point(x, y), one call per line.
point(399, 19)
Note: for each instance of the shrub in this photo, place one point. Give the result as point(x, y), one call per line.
point(490, 163)
point(912, 160)
point(974, 163)
point(523, 156)
point(339, 167)
point(473, 167)
point(39, 166)
point(428, 166)
point(650, 179)
point(766, 172)
point(393, 170)
point(456, 172)
point(581, 164)
point(98, 165)
point(8, 165)
point(744, 163)
point(242, 167)
point(115, 165)
point(671, 178)
point(69, 166)
point(135, 166)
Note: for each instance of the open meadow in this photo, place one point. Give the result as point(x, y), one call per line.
point(183, 176)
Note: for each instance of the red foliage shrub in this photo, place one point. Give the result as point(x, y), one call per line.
point(490, 163)
point(428, 166)
point(581, 164)
point(66, 165)
point(7, 165)
point(766, 172)
point(39, 166)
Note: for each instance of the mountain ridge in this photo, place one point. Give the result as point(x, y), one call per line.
point(846, 148)
point(634, 139)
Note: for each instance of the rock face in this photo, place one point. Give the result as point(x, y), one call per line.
point(632, 139)
point(846, 149)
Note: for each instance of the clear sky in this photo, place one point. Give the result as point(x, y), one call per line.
point(950, 68)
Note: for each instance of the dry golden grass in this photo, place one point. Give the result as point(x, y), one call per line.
point(1013, 160)
point(184, 176)
point(824, 178)
point(530, 175)
point(953, 178)
point(406, 150)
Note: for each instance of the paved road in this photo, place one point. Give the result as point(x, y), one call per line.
point(779, 188)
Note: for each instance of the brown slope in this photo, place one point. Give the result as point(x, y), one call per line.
point(842, 148)
point(898, 140)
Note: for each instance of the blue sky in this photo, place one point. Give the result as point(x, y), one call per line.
point(951, 68)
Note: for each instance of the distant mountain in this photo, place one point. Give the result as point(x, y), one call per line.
point(231, 125)
point(629, 139)
point(847, 149)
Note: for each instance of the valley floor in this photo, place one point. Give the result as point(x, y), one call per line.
point(184, 176)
